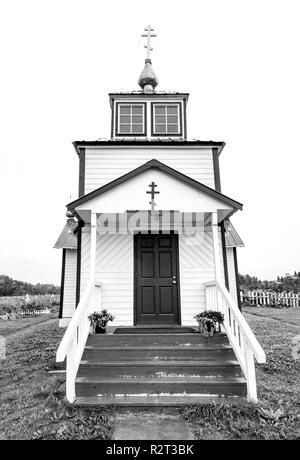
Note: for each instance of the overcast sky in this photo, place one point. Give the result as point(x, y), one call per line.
point(238, 59)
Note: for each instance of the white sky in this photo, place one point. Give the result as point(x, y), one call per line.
point(239, 59)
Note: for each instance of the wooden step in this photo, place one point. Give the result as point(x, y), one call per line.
point(145, 353)
point(87, 386)
point(154, 330)
point(159, 369)
point(104, 340)
point(152, 401)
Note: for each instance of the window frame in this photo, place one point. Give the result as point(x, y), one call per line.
point(153, 133)
point(117, 120)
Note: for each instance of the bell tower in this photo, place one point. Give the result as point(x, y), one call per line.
point(148, 113)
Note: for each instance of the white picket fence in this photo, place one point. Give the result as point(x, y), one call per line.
point(26, 313)
point(271, 299)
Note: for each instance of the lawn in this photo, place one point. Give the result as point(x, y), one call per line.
point(32, 403)
point(33, 406)
point(277, 416)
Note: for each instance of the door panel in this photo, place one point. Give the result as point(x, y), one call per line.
point(156, 279)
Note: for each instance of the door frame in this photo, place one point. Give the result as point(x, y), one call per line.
point(135, 278)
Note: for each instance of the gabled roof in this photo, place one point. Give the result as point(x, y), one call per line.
point(232, 238)
point(67, 239)
point(166, 169)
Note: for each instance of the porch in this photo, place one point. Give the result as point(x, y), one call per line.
point(238, 349)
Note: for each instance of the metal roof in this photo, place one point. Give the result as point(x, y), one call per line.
point(232, 238)
point(67, 239)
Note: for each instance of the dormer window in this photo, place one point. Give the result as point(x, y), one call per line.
point(166, 120)
point(131, 119)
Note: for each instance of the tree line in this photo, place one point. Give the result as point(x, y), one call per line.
point(286, 283)
point(11, 287)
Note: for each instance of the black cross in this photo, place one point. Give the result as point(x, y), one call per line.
point(153, 192)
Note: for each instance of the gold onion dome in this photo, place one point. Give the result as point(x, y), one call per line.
point(148, 80)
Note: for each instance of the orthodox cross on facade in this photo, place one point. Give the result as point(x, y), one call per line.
point(149, 34)
point(153, 193)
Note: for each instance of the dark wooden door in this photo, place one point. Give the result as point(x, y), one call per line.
point(156, 279)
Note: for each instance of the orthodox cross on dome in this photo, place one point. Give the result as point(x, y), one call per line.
point(149, 34)
point(153, 193)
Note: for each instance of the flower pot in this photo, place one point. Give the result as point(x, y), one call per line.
point(99, 330)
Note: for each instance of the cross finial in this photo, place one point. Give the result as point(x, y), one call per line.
point(149, 34)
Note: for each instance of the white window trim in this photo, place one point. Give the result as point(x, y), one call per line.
point(179, 121)
point(129, 104)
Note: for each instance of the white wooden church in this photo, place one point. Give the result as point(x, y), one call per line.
point(150, 239)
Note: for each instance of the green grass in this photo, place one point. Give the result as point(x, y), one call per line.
point(277, 416)
point(32, 402)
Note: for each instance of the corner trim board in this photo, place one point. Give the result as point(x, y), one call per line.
point(78, 267)
point(81, 172)
point(217, 177)
point(237, 279)
point(62, 284)
point(224, 255)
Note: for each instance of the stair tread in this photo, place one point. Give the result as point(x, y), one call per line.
point(161, 347)
point(154, 400)
point(185, 334)
point(169, 380)
point(161, 362)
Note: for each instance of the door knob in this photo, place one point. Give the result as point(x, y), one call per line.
point(174, 281)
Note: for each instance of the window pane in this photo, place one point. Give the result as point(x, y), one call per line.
point(137, 128)
point(137, 119)
point(160, 119)
point(172, 129)
point(124, 128)
point(125, 119)
point(160, 109)
point(160, 129)
point(137, 110)
point(124, 109)
point(172, 109)
point(172, 119)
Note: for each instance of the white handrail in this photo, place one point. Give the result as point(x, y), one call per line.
point(74, 340)
point(240, 335)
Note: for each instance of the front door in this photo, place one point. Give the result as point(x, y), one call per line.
point(156, 279)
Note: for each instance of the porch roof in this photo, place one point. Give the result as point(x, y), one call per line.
point(232, 238)
point(158, 166)
point(67, 239)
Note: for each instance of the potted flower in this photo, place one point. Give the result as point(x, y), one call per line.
point(209, 322)
point(99, 320)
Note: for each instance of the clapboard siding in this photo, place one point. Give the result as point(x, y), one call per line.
point(231, 273)
point(69, 297)
point(196, 263)
point(114, 268)
point(104, 165)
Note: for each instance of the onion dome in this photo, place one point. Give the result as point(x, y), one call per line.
point(148, 80)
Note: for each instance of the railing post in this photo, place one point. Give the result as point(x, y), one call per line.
point(250, 377)
point(71, 373)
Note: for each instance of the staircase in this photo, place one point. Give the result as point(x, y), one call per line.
point(146, 366)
